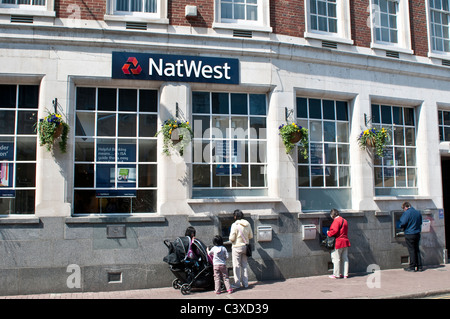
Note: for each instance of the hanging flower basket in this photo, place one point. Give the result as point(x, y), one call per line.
point(176, 134)
point(296, 137)
point(292, 135)
point(375, 139)
point(51, 128)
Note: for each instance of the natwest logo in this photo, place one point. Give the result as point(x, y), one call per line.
point(178, 68)
point(131, 66)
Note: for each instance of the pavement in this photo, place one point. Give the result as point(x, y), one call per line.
point(381, 284)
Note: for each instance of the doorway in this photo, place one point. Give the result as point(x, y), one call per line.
point(445, 165)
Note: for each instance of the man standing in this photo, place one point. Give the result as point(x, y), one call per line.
point(411, 222)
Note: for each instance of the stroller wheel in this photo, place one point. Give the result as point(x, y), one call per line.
point(185, 289)
point(176, 283)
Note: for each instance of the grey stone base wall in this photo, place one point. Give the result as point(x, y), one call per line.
point(73, 254)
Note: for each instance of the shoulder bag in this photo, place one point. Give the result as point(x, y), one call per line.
point(330, 242)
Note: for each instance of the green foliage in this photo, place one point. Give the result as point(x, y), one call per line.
point(374, 138)
point(51, 128)
point(288, 134)
point(169, 129)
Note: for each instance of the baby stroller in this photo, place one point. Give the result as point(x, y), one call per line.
point(191, 271)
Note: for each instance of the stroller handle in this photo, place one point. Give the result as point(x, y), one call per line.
point(167, 243)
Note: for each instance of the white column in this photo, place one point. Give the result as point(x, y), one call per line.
point(282, 170)
point(361, 162)
point(174, 170)
point(53, 169)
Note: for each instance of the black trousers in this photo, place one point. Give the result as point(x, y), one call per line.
point(412, 242)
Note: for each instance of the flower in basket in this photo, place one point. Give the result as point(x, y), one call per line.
point(374, 138)
point(293, 134)
point(50, 128)
point(176, 134)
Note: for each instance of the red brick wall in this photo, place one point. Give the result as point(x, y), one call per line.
point(205, 13)
point(288, 17)
point(360, 22)
point(418, 22)
point(83, 9)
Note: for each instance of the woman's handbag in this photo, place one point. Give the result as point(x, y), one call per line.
point(330, 242)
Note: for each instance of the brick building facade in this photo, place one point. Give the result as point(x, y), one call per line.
point(116, 70)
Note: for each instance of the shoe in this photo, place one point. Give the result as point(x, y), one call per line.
point(420, 269)
point(409, 269)
point(230, 291)
point(218, 293)
point(332, 277)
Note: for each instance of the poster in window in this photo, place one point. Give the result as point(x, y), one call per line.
point(223, 155)
point(5, 170)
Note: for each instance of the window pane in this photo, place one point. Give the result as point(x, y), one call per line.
point(220, 103)
point(330, 176)
point(302, 107)
point(258, 127)
point(315, 109)
point(201, 176)
point(341, 111)
point(126, 150)
point(147, 125)
point(106, 124)
point(148, 101)
point(239, 103)
point(329, 133)
point(25, 174)
point(8, 96)
point(84, 175)
point(26, 148)
point(258, 175)
point(85, 98)
point(147, 150)
point(344, 176)
point(147, 175)
point(257, 104)
point(303, 176)
point(106, 99)
point(28, 96)
point(127, 125)
point(7, 122)
point(342, 132)
point(85, 124)
point(84, 150)
point(26, 122)
point(128, 99)
point(145, 202)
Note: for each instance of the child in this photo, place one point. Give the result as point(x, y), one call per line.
point(220, 255)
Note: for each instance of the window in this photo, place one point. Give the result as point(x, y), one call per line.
point(23, 3)
point(151, 11)
point(440, 21)
point(115, 150)
point(18, 140)
point(230, 144)
point(328, 20)
point(444, 126)
point(385, 26)
point(323, 15)
point(395, 173)
point(235, 10)
point(242, 15)
point(390, 25)
point(324, 177)
point(129, 6)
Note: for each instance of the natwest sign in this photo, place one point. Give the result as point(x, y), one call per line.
point(178, 68)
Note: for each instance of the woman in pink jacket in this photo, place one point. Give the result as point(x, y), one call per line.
point(339, 229)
